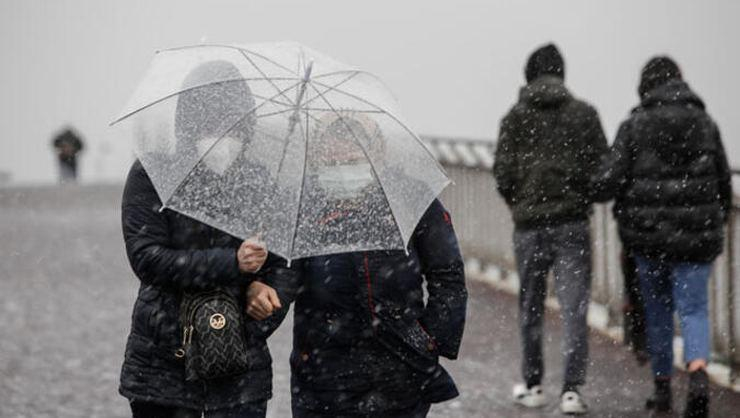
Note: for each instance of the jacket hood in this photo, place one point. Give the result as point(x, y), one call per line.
point(545, 91)
point(546, 60)
point(657, 72)
point(673, 92)
point(674, 138)
point(210, 109)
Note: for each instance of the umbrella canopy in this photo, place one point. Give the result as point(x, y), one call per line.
point(282, 141)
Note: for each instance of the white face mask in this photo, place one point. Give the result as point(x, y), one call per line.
point(221, 156)
point(345, 181)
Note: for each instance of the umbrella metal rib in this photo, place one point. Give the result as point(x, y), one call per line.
point(213, 83)
point(238, 48)
point(355, 72)
point(306, 136)
point(329, 88)
point(264, 75)
point(295, 118)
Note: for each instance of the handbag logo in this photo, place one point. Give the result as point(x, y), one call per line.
point(217, 321)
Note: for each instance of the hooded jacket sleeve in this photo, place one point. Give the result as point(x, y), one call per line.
point(597, 146)
point(442, 266)
point(505, 160)
point(611, 175)
point(151, 254)
point(286, 281)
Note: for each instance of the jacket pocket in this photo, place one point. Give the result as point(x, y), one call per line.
point(141, 319)
point(411, 343)
point(155, 317)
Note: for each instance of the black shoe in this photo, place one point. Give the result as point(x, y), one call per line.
point(662, 399)
point(697, 401)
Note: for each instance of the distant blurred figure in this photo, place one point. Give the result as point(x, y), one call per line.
point(549, 146)
point(67, 145)
point(669, 175)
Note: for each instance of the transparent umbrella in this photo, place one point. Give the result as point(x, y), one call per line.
point(281, 141)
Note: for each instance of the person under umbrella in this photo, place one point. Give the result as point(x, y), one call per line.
point(172, 253)
point(364, 341)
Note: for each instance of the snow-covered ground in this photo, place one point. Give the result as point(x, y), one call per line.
point(66, 293)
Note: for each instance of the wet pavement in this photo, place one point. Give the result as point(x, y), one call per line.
point(66, 293)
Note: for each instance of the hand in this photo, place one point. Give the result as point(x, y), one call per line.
point(262, 301)
point(251, 255)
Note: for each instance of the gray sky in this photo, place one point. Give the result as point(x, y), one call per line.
point(455, 66)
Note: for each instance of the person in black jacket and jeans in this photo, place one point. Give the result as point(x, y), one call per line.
point(549, 146)
point(670, 179)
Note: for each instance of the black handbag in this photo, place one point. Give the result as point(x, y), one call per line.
point(214, 335)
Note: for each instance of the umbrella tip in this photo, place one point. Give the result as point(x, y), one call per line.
point(307, 74)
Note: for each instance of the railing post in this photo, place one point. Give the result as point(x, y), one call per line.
point(732, 345)
point(609, 302)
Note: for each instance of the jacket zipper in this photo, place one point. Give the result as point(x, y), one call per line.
point(369, 284)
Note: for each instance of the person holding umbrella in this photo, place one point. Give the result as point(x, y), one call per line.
point(364, 341)
point(323, 169)
point(173, 254)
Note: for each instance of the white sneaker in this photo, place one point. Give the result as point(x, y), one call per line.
point(572, 404)
point(531, 398)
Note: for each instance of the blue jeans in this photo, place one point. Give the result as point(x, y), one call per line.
point(681, 286)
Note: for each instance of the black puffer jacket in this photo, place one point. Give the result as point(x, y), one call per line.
point(548, 148)
point(669, 175)
point(170, 253)
point(364, 341)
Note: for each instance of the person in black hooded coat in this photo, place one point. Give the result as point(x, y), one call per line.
point(668, 173)
point(549, 146)
point(171, 253)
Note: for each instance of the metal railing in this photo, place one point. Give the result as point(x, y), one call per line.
point(484, 227)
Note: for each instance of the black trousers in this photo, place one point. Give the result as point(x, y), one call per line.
point(152, 410)
point(419, 411)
